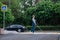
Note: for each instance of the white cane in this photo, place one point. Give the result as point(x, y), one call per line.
point(39, 27)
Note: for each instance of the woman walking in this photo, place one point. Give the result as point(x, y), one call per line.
point(33, 23)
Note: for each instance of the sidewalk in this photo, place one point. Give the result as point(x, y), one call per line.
point(42, 32)
point(37, 32)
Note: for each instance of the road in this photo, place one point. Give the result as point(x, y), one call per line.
point(13, 35)
point(30, 37)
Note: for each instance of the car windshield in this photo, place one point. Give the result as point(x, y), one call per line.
point(19, 26)
point(14, 26)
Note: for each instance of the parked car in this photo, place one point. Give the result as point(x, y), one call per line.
point(18, 28)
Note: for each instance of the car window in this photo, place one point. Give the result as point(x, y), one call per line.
point(20, 26)
point(16, 26)
point(13, 26)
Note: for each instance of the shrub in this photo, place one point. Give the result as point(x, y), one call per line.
point(47, 13)
point(45, 28)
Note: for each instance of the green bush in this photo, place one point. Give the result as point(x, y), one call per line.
point(47, 13)
point(45, 28)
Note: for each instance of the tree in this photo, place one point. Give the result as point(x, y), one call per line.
point(47, 13)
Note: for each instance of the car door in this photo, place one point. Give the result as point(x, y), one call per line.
point(13, 27)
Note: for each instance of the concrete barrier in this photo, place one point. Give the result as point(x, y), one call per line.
point(1, 31)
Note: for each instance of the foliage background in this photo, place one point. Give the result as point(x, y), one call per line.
point(47, 12)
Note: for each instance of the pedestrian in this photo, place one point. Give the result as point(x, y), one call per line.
point(33, 23)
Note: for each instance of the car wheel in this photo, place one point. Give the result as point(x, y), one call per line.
point(19, 30)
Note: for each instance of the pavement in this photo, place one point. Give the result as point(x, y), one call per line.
point(41, 35)
point(42, 32)
point(29, 32)
point(30, 37)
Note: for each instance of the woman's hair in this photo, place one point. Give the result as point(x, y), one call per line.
point(32, 15)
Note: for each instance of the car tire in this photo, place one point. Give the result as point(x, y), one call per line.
point(19, 30)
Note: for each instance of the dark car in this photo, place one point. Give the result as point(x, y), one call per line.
point(18, 28)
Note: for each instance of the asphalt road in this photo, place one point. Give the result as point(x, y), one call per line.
point(30, 37)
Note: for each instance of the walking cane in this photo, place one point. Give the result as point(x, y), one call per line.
point(39, 27)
